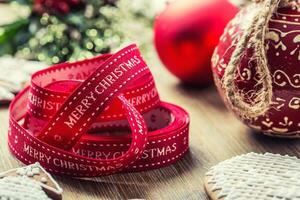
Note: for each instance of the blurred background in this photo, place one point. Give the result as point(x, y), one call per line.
point(39, 33)
point(177, 39)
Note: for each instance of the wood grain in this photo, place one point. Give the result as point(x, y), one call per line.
point(215, 135)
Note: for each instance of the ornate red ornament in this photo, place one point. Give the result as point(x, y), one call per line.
point(282, 44)
point(185, 35)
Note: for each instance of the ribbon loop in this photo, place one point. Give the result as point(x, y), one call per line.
point(90, 98)
point(71, 106)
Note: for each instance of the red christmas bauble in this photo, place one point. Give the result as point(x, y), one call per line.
point(282, 46)
point(186, 33)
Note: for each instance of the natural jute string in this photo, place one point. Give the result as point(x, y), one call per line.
point(253, 37)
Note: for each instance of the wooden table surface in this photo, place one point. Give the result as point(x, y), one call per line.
point(215, 135)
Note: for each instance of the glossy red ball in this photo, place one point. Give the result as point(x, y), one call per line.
point(186, 33)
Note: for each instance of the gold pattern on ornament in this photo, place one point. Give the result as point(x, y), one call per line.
point(221, 65)
point(274, 36)
point(284, 22)
point(287, 15)
point(255, 127)
point(285, 123)
point(283, 34)
point(245, 74)
point(230, 30)
point(296, 40)
point(215, 58)
point(282, 79)
point(280, 130)
point(221, 62)
point(281, 45)
point(267, 122)
point(294, 103)
point(294, 51)
point(278, 103)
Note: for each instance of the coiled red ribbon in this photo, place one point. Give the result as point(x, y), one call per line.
point(72, 118)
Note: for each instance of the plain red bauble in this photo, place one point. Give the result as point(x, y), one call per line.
point(283, 54)
point(186, 33)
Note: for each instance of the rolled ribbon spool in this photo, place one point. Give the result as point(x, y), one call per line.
point(74, 118)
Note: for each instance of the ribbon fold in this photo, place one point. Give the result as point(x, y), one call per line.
point(75, 118)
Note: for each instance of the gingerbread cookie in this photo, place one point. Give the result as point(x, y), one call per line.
point(31, 182)
point(255, 177)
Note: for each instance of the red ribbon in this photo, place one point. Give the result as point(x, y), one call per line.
point(71, 108)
